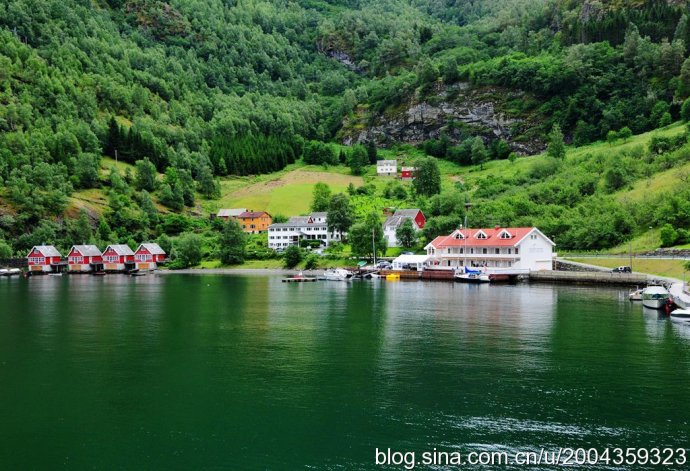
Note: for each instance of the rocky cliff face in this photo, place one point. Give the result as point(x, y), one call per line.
point(458, 112)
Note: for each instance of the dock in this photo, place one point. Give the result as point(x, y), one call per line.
point(591, 277)
point(299, 280)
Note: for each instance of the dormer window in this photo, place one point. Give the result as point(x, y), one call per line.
point(481, 235)
point(505, 235)
point(459, 236)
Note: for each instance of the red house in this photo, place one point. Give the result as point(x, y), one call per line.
point(45, 258)
point(84, 258)
point(408, 173)
point(118, 257)
point(148, 256)
point(415, 214)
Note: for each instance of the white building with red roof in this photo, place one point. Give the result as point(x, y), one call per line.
point(520, 248)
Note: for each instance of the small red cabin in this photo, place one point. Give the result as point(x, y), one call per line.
point(408, 173)
point(148, 256)
point(118, 257)
point(45, 258)
point(84, 258)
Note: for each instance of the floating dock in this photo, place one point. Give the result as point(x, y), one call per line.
point(299, 280)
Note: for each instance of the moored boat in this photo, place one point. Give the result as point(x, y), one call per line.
point(655, 297)
point(681, 316)
point(471, 276)
point(336, 274)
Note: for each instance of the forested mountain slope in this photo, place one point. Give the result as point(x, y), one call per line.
point(192, 90)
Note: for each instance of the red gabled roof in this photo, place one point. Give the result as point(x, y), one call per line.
point(252, 214)
point(492, 237)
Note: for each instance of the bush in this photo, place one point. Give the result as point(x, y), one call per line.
point(311, 262)
point(187, 250)
point(292, 256)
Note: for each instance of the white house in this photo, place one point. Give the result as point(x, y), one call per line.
point(312, 227)
point(524, 248)
point(391, 225)
point(387, 168)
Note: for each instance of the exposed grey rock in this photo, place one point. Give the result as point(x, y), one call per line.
point(422, 121)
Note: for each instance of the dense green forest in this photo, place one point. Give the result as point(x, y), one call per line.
point(191, 91)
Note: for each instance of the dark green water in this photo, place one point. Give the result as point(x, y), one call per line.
point(213, 372)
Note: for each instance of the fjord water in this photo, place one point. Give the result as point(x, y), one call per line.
point(246, 372)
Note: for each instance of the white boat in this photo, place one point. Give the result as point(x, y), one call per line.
point(636, 295)
point(4, 272)
point(655, 297)
point(336, 274)
point(471, 276)
point(682, 316)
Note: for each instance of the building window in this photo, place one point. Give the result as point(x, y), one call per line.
point(498, 251)
point(510, 251)
point(37, 260)
point(505, 235)
point(481, 235)
point(517, 251)
point(110, 258)
point(77, 260)
point(484, 251)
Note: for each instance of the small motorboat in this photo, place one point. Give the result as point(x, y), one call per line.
point(137, 273)
point(98, 273)
point(55, 274)
point(13, 272)
point(393, 277)
point(471, 276)
point(4, 272)
point(636, 295)
point(655, 297)
point(336, 274)
point(681, 316)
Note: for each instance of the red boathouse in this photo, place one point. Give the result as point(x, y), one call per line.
point(148, 256)
point(46, 259)
point(118, 257)
point(84, 258)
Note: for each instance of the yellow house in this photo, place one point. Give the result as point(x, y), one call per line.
point(254, 221)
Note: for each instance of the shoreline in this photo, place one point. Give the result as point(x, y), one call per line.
point(237, 271)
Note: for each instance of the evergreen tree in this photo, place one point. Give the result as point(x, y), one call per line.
point(372, 153)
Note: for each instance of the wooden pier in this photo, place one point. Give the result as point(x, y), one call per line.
point(592, 277)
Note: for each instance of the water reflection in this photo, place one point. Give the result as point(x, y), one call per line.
point(247, 372)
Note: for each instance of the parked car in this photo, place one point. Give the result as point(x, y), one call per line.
point(622, 270)
point(384, 264)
